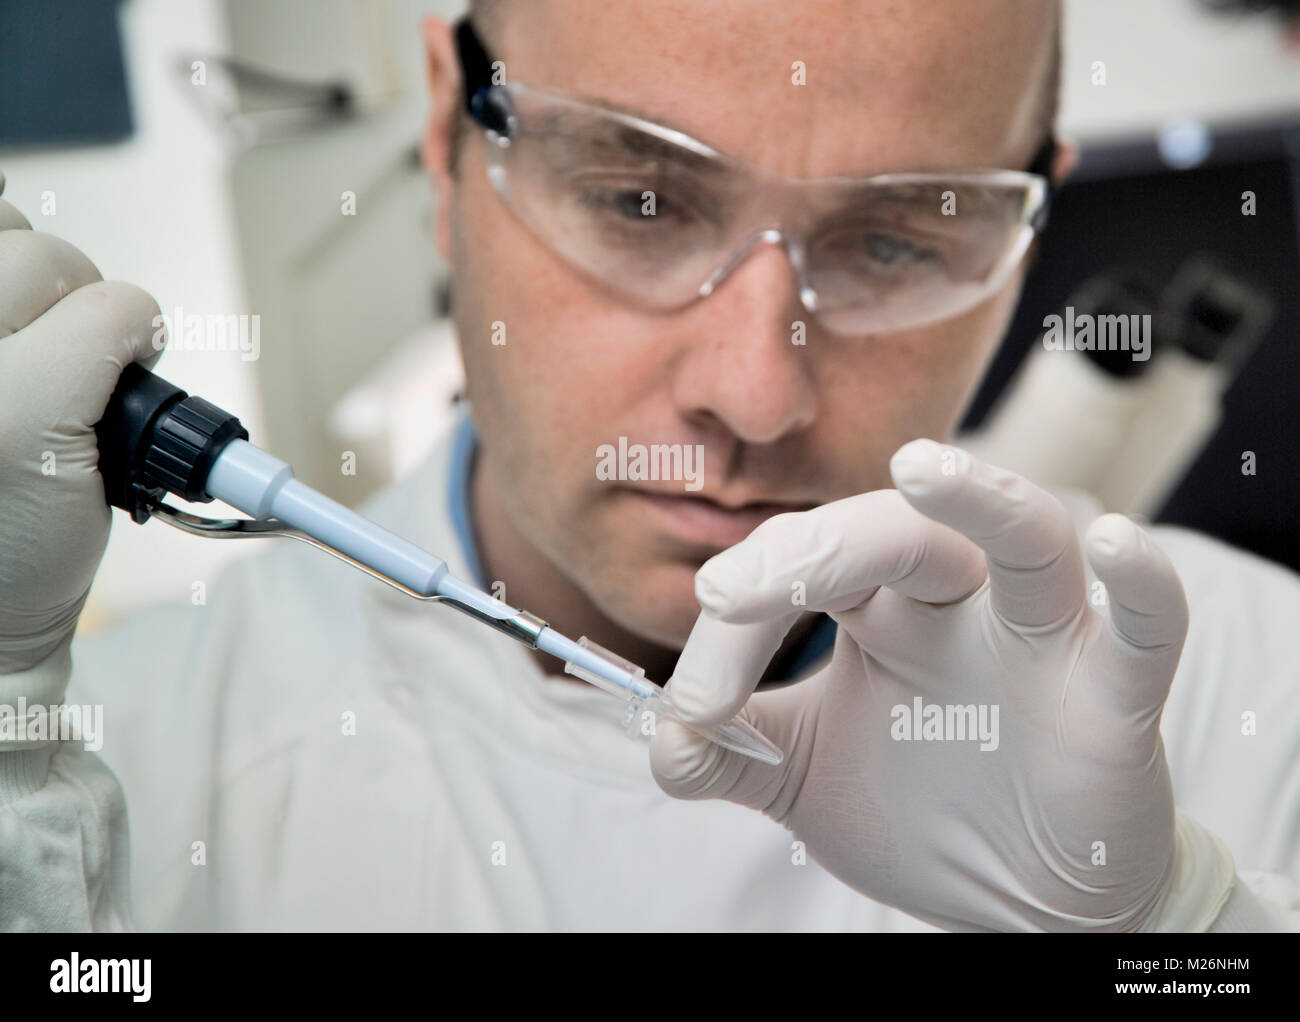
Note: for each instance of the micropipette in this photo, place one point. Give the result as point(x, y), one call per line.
point(155, 439)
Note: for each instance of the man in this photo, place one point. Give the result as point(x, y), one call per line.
point(627, 201)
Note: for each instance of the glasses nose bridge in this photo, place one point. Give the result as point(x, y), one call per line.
point(772, 234)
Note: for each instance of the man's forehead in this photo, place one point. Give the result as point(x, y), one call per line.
point(886, 85)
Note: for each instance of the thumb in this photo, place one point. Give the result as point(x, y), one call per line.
point(689, 766)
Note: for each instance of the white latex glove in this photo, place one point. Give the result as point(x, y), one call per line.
point(65, 336)
point(965, 586)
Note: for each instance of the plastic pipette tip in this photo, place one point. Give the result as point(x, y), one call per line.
point(736, 735)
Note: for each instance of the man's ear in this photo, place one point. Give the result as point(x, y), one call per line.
point(442, 76)
point(1064, 161)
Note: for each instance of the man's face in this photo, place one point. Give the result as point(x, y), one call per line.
point(890, 87)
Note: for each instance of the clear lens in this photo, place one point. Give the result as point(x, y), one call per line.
point(640, 212)
point(917, 253)
point(657, 216)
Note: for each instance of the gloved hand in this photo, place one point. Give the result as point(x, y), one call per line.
point(965, 587)
point(65, 336)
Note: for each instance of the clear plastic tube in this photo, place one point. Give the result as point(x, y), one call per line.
point(645, 697)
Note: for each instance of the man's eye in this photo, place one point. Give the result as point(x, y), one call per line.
point(630, 203)
point(890, 250)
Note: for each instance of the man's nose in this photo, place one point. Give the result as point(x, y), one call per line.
point(746, 361)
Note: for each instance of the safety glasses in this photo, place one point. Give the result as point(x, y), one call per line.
point(662, 219)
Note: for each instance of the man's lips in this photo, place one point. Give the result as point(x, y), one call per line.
point(704, 521)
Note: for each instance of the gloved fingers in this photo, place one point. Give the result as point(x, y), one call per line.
point(38, 271)
point(723, 662)
point(835, 556)
point(68, 362)
point(916, 640)
point(1139, 651)
point(1034, 566)
point(69, 359)
point(688, 766)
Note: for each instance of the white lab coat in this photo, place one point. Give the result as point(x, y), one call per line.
point(479, 793)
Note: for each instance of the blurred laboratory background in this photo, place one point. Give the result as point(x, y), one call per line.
point(203, 149)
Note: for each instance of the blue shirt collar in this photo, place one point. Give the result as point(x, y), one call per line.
point(463, 446)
